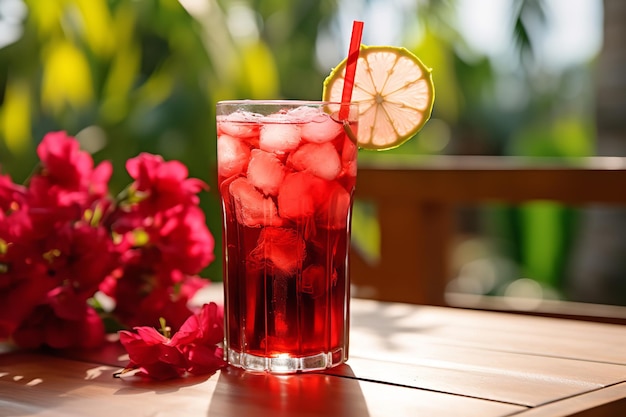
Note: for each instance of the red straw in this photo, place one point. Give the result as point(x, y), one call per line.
point(353, 56)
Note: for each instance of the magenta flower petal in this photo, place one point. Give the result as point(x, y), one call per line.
point(205, 359)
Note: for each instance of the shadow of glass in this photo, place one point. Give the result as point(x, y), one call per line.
point(309, 394)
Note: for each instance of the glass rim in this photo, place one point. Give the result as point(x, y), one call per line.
point(282, 102)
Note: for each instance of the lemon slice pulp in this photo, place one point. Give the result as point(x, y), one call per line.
point(395, 93)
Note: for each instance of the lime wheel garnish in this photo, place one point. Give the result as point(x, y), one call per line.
point(395, 93)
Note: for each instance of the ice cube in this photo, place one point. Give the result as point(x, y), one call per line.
point(279, 138)
point(304, 114)
point(240, 125)
point(251, 207)
point(232, 156)
point(333, 211)
point(315, 280)
point(298, 195)
point(322, 130)
point(265, 171)
point(281, 248)
point(321, 160)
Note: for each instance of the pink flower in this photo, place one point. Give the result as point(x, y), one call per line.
point(63, 238)
point(11, 195)
point(24, 278)
point(184, 240)
point(152, 353)
point(69, 169)
point(45, 327)
point(22, 288)
point(81, 255)
point(63, 162)
point(164, 184)
point(17, 232)
point(146, 290)
point(149, 307)
point(67, 184)
point(165, 240)
point(193, 349)
point(205, 327)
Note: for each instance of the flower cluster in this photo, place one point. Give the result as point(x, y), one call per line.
point(193, 349)
point(65, 243)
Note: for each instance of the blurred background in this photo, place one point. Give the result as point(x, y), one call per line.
point(513, 77)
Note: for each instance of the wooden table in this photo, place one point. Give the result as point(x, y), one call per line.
point(406, 360)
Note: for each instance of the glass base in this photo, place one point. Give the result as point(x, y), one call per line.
point(285, 364)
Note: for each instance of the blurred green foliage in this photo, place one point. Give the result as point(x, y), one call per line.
point(123, 76)
point(144, 75)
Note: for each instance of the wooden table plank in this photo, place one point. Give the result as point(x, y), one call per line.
point(52, 386)
point(322, 394)
point(609, 402)
point(396, 324)
point(497, 382)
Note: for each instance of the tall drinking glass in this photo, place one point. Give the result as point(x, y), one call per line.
point(286, 175)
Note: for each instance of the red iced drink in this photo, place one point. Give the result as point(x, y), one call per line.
point(286, 175)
